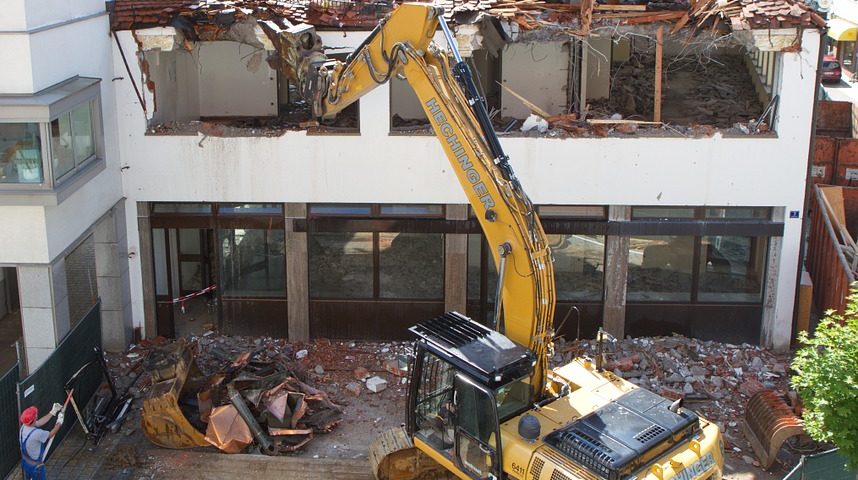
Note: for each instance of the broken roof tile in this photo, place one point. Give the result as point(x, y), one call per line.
point(528, 14)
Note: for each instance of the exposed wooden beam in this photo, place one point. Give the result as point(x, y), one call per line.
point(659, 53)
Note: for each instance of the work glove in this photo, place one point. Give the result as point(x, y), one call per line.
point(57, 408)
point(60, 417)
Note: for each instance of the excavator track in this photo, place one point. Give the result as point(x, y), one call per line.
point(393, 456)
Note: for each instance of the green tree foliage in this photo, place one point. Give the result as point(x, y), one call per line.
point(827, 379)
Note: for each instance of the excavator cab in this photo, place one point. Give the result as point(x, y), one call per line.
point(466, 380)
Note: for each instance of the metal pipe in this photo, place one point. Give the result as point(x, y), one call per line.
point(504, 249)
point(260, 436)
point(451, 39)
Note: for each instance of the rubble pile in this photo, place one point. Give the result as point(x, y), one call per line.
point(715, 379)
point(289, 392)
point(295, 391)
point(690, 97)
point(291, 118)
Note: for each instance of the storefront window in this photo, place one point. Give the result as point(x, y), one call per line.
point(846, 54)
point(250, 208)
point(253, 262)
point(578, 266)
point(201, 208)
point(341, 265)
point(412, 210)
point(662, 213)
point(20, 153)
point(341, 210)
point(739, 213)
point(731, 269)
point(411, 265)
point(660, 268)
point(475, 261)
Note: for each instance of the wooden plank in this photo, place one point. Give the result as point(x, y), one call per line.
point(621, 8)
point(527, 103)
point(681, 23)
point(656, 17)
point(608, 121)
point(659, 54)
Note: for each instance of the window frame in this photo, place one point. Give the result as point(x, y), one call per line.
point(44, 107)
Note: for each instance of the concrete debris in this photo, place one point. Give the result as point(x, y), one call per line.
point(376, 384)
point(353, 388)
point(360, 373)
point(295, 391)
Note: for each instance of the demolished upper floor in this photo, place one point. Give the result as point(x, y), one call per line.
point(669, 67)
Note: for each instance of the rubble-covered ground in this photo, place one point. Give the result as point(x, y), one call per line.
point(715, 379)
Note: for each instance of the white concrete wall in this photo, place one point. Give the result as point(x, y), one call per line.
point(522, 64)
point(377, 167)
point(845, 9)
point(65, 47)
point(23, 238)
point(17, 76)
point(229, 87)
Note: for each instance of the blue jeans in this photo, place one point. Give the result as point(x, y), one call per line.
point(33, 472)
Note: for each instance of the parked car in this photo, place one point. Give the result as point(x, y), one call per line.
point(831, 71)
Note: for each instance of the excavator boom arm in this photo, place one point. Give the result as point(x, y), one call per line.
point(402, 45)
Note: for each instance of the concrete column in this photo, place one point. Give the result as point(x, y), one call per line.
point(616, 274)
point(375, 112)
point(37, 313)
point(297, 275)
point(456, 263)
point(114, 285)
point(147, 270)
point(768, 334)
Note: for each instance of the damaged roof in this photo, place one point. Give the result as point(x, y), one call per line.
point(576, 16)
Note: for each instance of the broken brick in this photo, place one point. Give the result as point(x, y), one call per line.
point(360, 373)
point(750, 387)
point(353, 388)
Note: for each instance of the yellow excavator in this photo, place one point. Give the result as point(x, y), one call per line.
point(483, 402)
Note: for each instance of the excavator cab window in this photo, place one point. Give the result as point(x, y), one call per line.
point(476, 429)
point(433, 408)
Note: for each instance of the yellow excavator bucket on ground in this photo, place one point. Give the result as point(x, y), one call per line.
point(163, 421)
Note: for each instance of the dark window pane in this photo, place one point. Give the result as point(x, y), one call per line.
point(62, 151)
point(573, 211)
point(739, 213)
point(411, 265)
point(732, 269)
point(660, 268)
point(420, 210)
point(475, 246)
point(434, 412)
point(20, 153)
point(182, 208)
point(578, 266)
point(343, 210)
point(250, 208)
point(253, 262)
point(340, 265)
point(665, 213)
point(159, 251)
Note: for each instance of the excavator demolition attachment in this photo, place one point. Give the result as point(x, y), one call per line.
point(768, 423)
point(163, 421)
point(393, 456)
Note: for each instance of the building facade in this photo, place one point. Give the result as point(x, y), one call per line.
point(217, 202)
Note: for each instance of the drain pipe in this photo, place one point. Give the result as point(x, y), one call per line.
point(265, 444)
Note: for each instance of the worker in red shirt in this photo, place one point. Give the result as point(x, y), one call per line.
point(34, 440)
